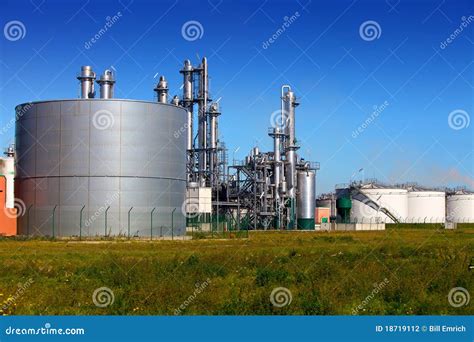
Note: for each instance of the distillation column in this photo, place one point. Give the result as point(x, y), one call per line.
point(203, 124)
point(188, 101)
point(289, 105)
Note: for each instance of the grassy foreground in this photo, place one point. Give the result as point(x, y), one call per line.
point(392, 272)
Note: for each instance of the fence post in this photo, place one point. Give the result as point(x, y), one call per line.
point(54, 212)
point(129, 222)
point(151, 224)
point(172, 224)
point(80, 222)
point(105, 228)
point(28, 220)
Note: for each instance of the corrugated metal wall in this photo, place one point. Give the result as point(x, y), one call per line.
point(101, 153)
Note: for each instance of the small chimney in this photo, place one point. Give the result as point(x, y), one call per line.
point(162, 90)
point(106, 83)
point(87, 78)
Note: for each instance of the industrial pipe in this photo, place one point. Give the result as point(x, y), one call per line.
point(106, 211)
point(87, 78)
point(129, 222)
point(161, 90)
point(151, 223)
point(106, 84)
point(80, 222)
point(202, 118)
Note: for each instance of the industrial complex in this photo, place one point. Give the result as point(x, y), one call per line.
point(100, 166)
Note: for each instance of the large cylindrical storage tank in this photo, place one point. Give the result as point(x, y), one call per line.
point(460, 208)
point(96, 167)
point(379, 205)
point(426, 207)
point(306, 199)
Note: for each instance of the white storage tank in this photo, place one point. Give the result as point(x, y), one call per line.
point(371, 203)
point(460, 207)
point(426, 206)
point(7, 169)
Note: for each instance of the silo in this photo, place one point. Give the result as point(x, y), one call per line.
point(96, 167)
point(426, 206)
point(372, 203)
point(306, 199)
point(460, 207)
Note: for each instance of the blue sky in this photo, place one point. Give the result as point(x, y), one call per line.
point(339, 72)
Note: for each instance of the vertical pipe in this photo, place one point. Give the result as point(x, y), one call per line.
point(54, 212)
point(213, 113)
point(129, 222)
point(289, 104)
point(87, 78)
point(106, 84)
point(151, 224)
point(202, 118)
point(161, 90)
point(172, 224)
point(80, 222)
point(277, 173)
point(188, 103)
point(106, 211)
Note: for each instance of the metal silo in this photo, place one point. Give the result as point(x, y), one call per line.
point(426, 206)
point(96, 167)
point(460, 207)
point(306, 199)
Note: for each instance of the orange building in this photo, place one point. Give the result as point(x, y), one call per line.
point(322, 214)
point(8, 216)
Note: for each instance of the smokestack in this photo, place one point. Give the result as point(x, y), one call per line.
point(162, 90)
point(106, 83)
point(87, 78)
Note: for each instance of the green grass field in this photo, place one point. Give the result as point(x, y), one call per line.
point(392, 272)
